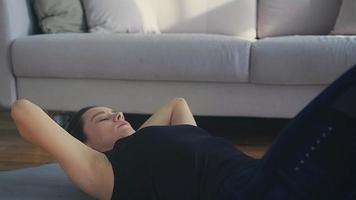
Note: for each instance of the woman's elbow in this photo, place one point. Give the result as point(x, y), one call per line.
point(17, 106)
point(179, 100)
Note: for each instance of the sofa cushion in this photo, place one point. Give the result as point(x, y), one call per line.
point(281, 17)
point(59, 16)
point(226, 17)
point(181, 57)
point(301, 60)
point(120, 16)
point(346, 21)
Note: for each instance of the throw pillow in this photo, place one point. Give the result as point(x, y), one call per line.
point(120, 16)
point(59, 16)
point(346, 21)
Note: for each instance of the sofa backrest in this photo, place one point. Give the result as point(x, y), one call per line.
point(244, 18)
point(296, 17)
point(227, 17)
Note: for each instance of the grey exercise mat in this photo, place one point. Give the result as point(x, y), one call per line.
point(43, 182)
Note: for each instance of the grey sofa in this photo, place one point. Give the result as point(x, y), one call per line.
point(252, 58)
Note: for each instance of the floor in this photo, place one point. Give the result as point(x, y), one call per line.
point(14, 151)
point(251, 135)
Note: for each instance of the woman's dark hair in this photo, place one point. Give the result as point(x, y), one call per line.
point(76, 123)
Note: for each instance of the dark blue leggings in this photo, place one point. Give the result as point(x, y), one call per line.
point(314, 157)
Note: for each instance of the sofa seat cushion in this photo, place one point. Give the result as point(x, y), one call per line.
point(180, 57)
point(301, 60)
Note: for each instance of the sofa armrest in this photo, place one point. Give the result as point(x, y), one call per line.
point(15, 21)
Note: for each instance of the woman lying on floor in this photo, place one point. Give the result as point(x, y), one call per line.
point(169, 157)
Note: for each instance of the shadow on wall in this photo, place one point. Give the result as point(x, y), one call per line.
point(215, 19)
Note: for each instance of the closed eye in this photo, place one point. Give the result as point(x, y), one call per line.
point(103, 119)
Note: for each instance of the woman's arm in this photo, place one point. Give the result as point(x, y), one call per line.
point(88, 169)
point(175, 112)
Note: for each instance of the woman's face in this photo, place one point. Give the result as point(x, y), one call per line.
point(103, 127)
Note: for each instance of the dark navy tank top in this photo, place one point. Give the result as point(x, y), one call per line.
point(181, 162)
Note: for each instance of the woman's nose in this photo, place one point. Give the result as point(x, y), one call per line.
point(119, 116)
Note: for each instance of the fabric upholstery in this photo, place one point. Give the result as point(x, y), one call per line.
point(120, 16)
point(346, 21)
point(15, 21)
point(182, 57)
point(227, 17)
point(60, 16)
point(205, 98)
point(37, 183)
point(302, 60)
point(303, 17)
point(68, 71)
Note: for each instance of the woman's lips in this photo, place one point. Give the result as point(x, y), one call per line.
point(122, 124)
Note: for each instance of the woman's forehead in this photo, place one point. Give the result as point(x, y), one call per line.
point(92, 111)
point(100, 108)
